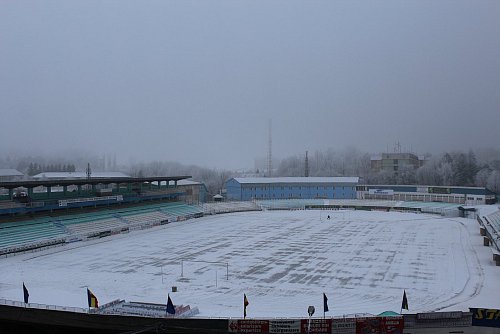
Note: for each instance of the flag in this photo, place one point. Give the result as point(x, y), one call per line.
point(245, 304)
point(92, 299)
point(325, 303)
point(404, 304)
point(170, 306)
point(26, 294)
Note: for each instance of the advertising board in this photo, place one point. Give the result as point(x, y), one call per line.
point(284, 326)
point(485, 317)
point(248, 326)
point(344, 326)
point(317, 326)
point(380, 325)
point(387, 192)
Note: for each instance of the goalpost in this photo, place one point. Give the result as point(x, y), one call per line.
point(226, 264)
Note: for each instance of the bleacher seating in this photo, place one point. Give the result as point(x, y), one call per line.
point(225, 207)
point(22, 235)
point(95, 226)
point(153, 216)
point(433, 207)
point(18, 236)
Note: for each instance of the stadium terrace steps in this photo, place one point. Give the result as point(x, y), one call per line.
point(43, 230)
point(494, 219)
point(32, 233)
point(153, 216)
point(95, 226)
point(225, 207)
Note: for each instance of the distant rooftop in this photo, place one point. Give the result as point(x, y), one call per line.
point(78, 175)
point(10, 172)
point(187, 182)
point(256, 180)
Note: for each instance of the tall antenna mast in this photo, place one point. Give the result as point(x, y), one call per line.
point(269, 152)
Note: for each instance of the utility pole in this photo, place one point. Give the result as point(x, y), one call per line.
point(89, 171)
point(306, 172)
point(269, 152)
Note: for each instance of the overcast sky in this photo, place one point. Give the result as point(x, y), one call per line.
point(196, 81)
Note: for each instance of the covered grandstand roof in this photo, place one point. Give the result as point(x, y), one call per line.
point(259, 180)
point(93, 180)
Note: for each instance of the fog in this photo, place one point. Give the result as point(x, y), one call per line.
point(197, 81)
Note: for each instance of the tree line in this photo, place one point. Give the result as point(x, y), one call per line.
point(446, 169)
point(479, 168)
point(35, 168)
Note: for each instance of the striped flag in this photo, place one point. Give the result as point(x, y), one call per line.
point(92, 299)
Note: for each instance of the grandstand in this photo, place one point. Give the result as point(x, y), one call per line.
point(34, 196)
point(444, 209)
point(50, 231)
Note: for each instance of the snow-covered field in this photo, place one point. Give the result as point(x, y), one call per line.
point(282, 260)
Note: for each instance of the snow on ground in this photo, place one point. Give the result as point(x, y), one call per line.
point(282, 260)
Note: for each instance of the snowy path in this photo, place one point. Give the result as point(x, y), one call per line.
point(282, 260)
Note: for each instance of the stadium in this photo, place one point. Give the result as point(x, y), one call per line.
point(135, 241)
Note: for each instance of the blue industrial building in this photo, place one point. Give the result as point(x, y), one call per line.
point(245, 189)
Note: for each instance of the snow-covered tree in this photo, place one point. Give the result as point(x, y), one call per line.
point(481, 179)
point(494, 181)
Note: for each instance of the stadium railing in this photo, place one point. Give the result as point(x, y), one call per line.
point(43, 306)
